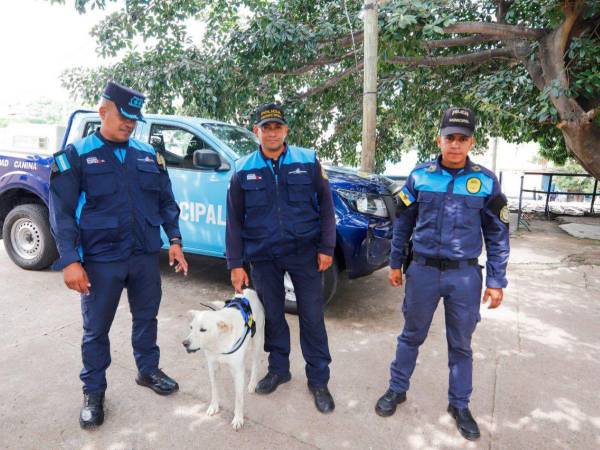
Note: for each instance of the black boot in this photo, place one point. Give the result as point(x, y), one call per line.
point(464, 422)
point(270, 382)
point(159, 382)
point(92, 411)
point(386, 405)
point(323, 399)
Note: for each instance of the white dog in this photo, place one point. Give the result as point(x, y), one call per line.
point(225, 336)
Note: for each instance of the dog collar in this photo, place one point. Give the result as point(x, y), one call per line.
point(242, 304)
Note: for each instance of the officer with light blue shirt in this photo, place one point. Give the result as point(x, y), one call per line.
point(280, 218)
point(109, 196)
point(447, 206)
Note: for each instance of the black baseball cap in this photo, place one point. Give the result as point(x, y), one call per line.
point(270, 112)
point(129, 102)
point(458, 120)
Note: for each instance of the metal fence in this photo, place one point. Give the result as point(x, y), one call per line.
point(550, 192)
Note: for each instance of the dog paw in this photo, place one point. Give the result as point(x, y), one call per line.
point(213, 409)
point(252, 387)
point(237, 423)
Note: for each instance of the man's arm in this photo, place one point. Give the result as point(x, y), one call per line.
point(235, 220)
point(404, 222)
point(326, 211)
point(168, 207)
point(65, 194)
point(494, 223)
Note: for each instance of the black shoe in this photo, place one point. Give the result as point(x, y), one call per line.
point(159, 382)
point(270, 382)
point(465, 422)
point(92, 411)
point(323, 399)
point(386, 405)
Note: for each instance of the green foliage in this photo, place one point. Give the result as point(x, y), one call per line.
point(254, 51)
point(574, 184)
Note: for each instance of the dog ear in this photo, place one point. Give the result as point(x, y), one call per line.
point(223, 327)
point(219, 304)
point(193, 312)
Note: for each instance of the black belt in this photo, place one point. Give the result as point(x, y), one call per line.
point(445, 264)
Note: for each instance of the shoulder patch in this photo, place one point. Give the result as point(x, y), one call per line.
point(499, 207)
point(505, 214)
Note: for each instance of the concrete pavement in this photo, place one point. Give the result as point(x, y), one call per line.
point(537, 361)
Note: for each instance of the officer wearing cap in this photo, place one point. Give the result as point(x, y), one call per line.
point(447, 206)
point(280, 218)
point(109, 195)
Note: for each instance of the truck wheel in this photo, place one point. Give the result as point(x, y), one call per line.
point(329, 280)
point(27, 237)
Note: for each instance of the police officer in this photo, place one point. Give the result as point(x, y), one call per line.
point(109, 195)
point(280, 218)
point(446, 205)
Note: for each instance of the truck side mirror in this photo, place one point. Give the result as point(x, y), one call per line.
point(209, 160)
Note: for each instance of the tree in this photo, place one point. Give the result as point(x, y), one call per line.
point(531, 69)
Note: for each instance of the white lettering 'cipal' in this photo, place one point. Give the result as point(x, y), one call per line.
point(200, 212)
point(25, 165)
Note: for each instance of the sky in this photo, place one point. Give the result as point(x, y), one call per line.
point(39, 41)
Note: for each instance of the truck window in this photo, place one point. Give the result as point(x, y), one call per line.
point(177, 145)
point(238, 138)
point(90, 127)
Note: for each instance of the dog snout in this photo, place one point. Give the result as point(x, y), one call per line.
point(186, 343)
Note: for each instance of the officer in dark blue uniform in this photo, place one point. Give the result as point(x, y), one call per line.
point(446, 205)
point(280, 218)
point(109, 195)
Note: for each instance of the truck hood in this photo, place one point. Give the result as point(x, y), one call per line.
point(356, 180)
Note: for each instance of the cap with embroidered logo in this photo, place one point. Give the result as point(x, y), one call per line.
point(129, 102)
point(458, 121)
point(271, 112)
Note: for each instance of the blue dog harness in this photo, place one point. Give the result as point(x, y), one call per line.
point(242, 304)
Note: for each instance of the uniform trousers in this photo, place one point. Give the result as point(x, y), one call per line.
point(140, 274)
point(267, 277)
point(461, 290)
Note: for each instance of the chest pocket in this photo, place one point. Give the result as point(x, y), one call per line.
point(100, 179)
point(299, 187)
point(473, 202)
point(148, 175)
point(255, 193)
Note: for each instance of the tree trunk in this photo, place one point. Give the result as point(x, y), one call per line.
point(583, 141)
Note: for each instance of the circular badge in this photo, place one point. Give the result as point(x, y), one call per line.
point(505, 214)
point(473, 185)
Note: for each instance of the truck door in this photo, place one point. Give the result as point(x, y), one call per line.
point(200, 192)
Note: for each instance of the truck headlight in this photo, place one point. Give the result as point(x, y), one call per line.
point(362, 202)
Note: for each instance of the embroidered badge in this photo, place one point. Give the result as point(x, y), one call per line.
point(94, 160)
point(473, 185)
point(146, 159)
point(406, 197)
point(504, 214)
point(298, 171)
point(253, 177)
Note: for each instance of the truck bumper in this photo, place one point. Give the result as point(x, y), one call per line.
point(365, 245)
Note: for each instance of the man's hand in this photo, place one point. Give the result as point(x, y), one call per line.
point(76, 278)
point(395, 277)
point(239, 279)
point(494, 295)
point(176, 254)
point(324, 261)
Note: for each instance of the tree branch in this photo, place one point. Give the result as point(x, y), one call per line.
point(495, 29)
point(503, 6)
point(319, 62)
point(331, 81)
point(459, 42)
point(469, 58)
point(343, 41)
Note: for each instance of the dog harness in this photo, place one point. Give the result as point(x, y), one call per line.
point(242, 304)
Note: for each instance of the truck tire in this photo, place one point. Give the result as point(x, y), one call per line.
point(329, 280)
point(27, 237)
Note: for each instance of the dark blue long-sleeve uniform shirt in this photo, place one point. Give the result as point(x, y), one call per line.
point(448, 214)
point(108, 200)
point(276, 209)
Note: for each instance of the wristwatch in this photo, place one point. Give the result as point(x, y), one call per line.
point(175, 240)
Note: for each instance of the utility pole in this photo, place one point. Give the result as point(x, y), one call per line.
point(371, 35)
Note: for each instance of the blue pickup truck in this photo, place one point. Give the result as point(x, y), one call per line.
point(201, 155)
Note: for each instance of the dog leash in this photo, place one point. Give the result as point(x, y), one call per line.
point(208, 306)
